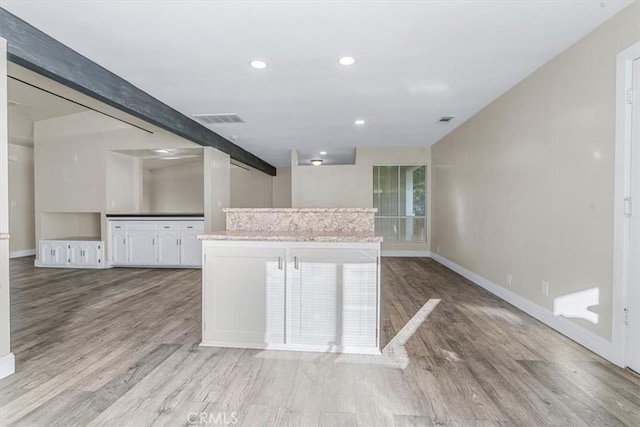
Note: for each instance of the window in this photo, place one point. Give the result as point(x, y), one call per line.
point(399, 193)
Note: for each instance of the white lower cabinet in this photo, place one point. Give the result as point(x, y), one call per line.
point(155, 243)
point(291, 296)
point(246, 305)
point(71, 253)
point(333, 297)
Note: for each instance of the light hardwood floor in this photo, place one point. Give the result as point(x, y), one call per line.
point(120, 347)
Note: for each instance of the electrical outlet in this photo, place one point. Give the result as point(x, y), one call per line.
point(438, 249)
point(545, 289)
point(509, 279)
point(75, 158)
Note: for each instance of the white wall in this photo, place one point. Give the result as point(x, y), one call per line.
point(282, 188)
point(21, 199)
point(7, 365)
point(176, 189)
point(250, 188)
point(525, 186)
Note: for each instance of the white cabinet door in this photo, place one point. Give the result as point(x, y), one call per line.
point(169, 247)
point(244, 296)
point(54, 252)
point(92, 254)
point(85, 254)
point(333, 297)
point(190, 249)
point(75, 254)
point(142, 247)
point(119, 252)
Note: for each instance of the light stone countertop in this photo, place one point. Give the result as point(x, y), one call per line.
point(284, 236)
point(301, 210)
point(4, 236)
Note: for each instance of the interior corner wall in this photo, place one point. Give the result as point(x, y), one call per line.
point(250, 188)
point(408, 155)
point(217, 185)
point(331, 186)
point(124, 183)
point(175, 189)
point(21, 200)
point(282, 188)
point(525, 187)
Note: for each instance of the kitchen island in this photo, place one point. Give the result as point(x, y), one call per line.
point(293, 279)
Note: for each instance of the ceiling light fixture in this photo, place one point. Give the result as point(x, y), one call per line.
point(316, 162)
point(359, 122)
point(259, 65)
point(347, 60)
point(323, 153)
point(162, 151)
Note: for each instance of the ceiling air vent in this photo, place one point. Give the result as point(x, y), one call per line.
point(218, 119)
point(445, 119)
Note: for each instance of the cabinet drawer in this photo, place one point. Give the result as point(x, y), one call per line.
point(142, 225)
point(168, 226)
point(192, 225)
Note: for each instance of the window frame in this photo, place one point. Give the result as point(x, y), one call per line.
point(405, 217)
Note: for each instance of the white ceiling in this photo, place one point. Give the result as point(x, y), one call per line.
point(417, 61)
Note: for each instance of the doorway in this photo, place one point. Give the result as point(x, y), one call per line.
point(633, 327)
point(626, 296)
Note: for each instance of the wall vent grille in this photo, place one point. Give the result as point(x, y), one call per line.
point(445, 119)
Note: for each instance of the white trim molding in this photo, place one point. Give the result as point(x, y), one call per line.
point(20, 254)
point(624, 81)
point(7, 365)
point(407, 253)
point(582, 336)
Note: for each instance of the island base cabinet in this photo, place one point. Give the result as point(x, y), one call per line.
point(287, 296)
point(333, 298)
point(244, 304)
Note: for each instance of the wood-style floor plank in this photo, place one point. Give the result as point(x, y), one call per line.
point(120, 347)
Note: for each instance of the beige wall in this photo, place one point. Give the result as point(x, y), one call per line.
point(217, 185)
point(20, 129)
point(124, 183)
point(72, 159)
point(250, 188)
point(352, 185)
point(282, 188)
point(525, 187)
point(21, 203)
point(176, 189)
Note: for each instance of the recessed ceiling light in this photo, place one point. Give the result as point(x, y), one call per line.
point(162, 151)
point(316, 162)
point(322, 153)
point(359, 122)
point(259, 65)
point(347, 60)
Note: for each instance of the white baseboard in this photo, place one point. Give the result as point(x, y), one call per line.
point(577, 333)
point(20, 254)
point(7, 365)
point(417, 254)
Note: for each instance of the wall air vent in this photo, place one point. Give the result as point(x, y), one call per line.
point(218, 119)
point(445, 119)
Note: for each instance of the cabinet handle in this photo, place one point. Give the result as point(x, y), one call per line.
point(153, 242)
point(279, 263)
point(177, 241)
point(295, 262)
point(124, 240)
